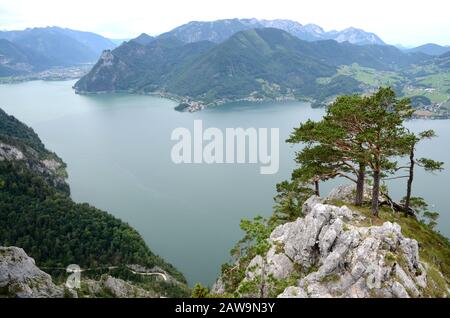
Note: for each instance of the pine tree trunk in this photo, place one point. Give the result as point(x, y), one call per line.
point(376, 192)
point(360, 185)
point(410, 181)
point(317, 189)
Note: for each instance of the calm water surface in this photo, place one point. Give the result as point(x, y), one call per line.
point(117, 148)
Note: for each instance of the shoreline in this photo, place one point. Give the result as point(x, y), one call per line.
point(52, 75)
point(188, 104)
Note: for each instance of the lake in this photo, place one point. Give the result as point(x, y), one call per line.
point(117, 148)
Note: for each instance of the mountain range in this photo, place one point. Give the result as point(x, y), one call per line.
point(162, 68)
point(220, 30)
point(37, 49)
point(431, 49)
point(256, 63)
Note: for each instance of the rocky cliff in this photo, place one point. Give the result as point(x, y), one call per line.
point(335, 251)
point(21, 278)
point(50, 166)
point(19, 143)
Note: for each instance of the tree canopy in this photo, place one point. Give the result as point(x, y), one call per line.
point(359, 136)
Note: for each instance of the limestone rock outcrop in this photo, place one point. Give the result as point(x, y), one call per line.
point(334, 253)
point(116, 288)
point(21, 278)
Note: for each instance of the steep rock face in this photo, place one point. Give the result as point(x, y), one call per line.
point(104, 74)
point(354, 35)
point(116, 288)
point(10, 153)
point(331, 254)
point(50, 167)
point(19, 144)
point(346, 193)
point(20, 277)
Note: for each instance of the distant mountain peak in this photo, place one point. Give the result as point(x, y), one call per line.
point(144, 39)
point(41, 48)
point(220, 30)
point(358, 36)
point(314, 28)
point(431, 49)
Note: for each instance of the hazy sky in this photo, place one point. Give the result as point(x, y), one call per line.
point(409, 22)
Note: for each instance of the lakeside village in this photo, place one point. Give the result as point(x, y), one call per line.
point(432, 111)
point(189, 105)
point(53, 74)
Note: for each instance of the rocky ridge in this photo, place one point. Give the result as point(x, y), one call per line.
point(51, 167)
point(21, 278)
point(331, 252)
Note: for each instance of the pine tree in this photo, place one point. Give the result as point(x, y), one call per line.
point(333, 148)
point(429, 165)
point(384, 135)
point(357, 133)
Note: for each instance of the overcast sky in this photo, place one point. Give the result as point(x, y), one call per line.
point(409, 22)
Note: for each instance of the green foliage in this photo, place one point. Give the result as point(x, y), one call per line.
point(57, 232)
point(340, 84)
point(200, 291)
point(332, 278)
point(431, 217)
point(357, 132)
point(390, 258)
point(332, 146)
point(255, 242)
point(418, 101)
point(279, 285)
point(422, 209)
point(436, 284)
point(257, 232)
point(16, 134)
point(430, 165)
point(289, 201)
point(249, 287)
